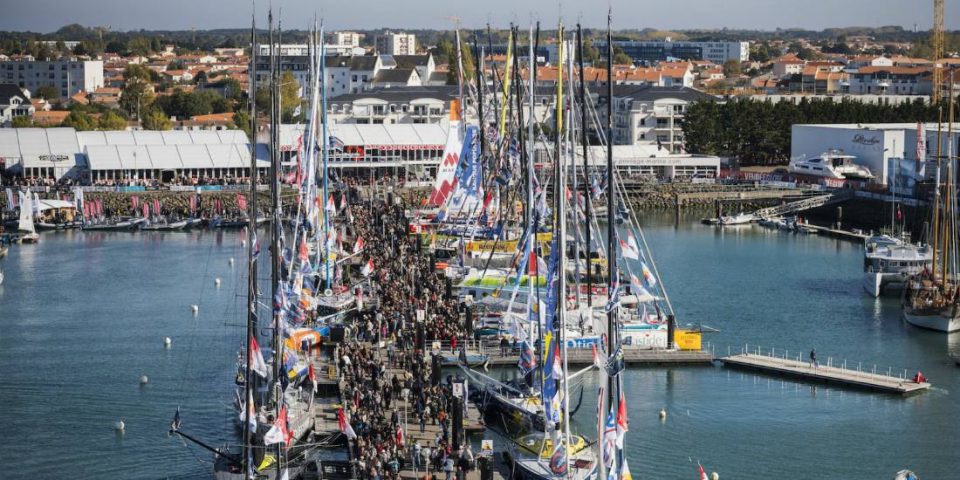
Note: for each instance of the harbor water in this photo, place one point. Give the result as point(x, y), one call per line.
point(84, 316)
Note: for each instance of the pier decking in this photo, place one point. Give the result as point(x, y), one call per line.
point(631, 356)
point(825, 373)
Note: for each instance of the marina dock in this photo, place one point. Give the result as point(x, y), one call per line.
point(837, 233)
point(891, 382)
point(632, 357)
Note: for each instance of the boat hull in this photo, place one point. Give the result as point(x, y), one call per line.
point(943, 321)
point(876, 283)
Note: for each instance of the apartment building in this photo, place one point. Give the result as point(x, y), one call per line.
point(68, 76)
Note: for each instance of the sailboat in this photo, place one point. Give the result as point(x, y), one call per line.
point(931, 299)
point(26, 229)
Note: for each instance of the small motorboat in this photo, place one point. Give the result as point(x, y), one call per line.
point(165, 226)
point(738, 219)
point(119, 225)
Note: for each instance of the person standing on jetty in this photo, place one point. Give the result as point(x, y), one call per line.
point(813, 358)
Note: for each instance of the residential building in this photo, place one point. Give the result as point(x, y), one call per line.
point(891, 80)
point(650, 115)
point(14, 102)
point(346, 39)
point(411, 105)
point(396, 44)
point(68, 76)
point(660, 50)
point(109, 96)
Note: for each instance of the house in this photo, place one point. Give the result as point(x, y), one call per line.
point(397, 77)
point(785, 66)
point(14, 102)
point(862, 61)
point(890, 80)
point(229, 52)
point(109, 96)
point(52, 118)
point(177, 76)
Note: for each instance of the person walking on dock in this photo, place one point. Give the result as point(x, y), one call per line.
point(813, 358)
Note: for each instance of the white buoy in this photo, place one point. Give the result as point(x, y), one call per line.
point(119, 426)
point(167, 342)
point(714, 476)
point(231, 261)
point(663, 414)
point(216, 281)
point(195, 309)
point(144, 380)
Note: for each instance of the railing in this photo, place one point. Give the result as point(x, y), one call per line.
point(858, 369)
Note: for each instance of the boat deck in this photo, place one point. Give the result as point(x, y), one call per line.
point(824, 373)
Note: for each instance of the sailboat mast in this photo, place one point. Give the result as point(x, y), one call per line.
point(586, 167)
point(606, 384)
point(950, 203)
point(935, 241)
point(326, 145)
point(480, 85)
point(251, 243)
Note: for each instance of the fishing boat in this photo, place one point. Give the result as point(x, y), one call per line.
point(832, 164)
point(889, 262)
point(25, 228)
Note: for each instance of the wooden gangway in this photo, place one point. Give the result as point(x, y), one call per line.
point(841, 374)
point(805, 204)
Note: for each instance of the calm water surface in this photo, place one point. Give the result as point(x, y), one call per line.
point(84, 315)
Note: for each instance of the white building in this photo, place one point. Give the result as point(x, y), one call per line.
point(115, 155)
point(14, 102)
point(397, 44)
point(648, 161)
point(650, 115)
point(411, 105)
point(659, 50)
point(346, 39)
point(873, 145)
point(66, 75)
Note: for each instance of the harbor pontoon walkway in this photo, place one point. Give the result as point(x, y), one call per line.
point(890, 382)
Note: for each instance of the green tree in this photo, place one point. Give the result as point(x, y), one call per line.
point(136, 95)
point(241, 120)
point(80, 121)
point(620, 57)
point(731, 68)
point(155, 119)
point(48, 92)
point(453, 72)
point(590, 53)
point(232, 89)
point(139, 46)
point(111, 121)
point(23, 121)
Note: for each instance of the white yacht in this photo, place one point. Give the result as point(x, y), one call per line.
point(738, 219)
point(891, 261)
point(830, 164)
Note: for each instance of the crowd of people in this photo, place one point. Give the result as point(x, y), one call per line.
point(384, 366)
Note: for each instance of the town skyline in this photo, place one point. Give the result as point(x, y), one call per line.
point(765, 15)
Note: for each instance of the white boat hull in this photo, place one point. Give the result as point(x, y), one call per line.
point(877, 283)
point(942, 322)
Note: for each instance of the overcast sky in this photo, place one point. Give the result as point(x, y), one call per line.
point(48, 15)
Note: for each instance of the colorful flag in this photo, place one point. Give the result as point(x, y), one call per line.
point(621, 421)
point(241, 201)
point(648, 277)
point(558, 460)
point(134, 202)
point(331, 206)
point(345, 426)
point(703, 475)
point(249, 408)
point(400, 435)
point(609, 440)
point(279, 432)
point(358, 246)
point(258, 364)
point(642, 294)
point(304, 252)
point(625, 471)
point(367, 269)
point(629, 248)
point(528, 360)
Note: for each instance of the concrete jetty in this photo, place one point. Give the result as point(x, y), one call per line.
point(840, 376)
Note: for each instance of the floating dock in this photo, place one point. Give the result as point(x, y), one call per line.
point(631, 357)
point(827, 374)
point(833, 232)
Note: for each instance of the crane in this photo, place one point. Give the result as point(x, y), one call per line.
point(938, 50)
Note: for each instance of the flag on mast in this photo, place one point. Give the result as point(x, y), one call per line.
point(259, 365)
point(279, 433)
point(345, 426)
point(358, 246)
point(621, 421)
point(367, 269)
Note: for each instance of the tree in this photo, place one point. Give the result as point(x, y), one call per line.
point(139, 46)
point(761, 52)
point(453, 72)
point(590, 53)
point(201, 78)
point(23, 121)
point(48, 92)
point(731, 68)
point(80, 121)
point(155, 119)
point(111, 121)
point(620, 57)
point(136, 95)
point(241, 120)
point(232, 89)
